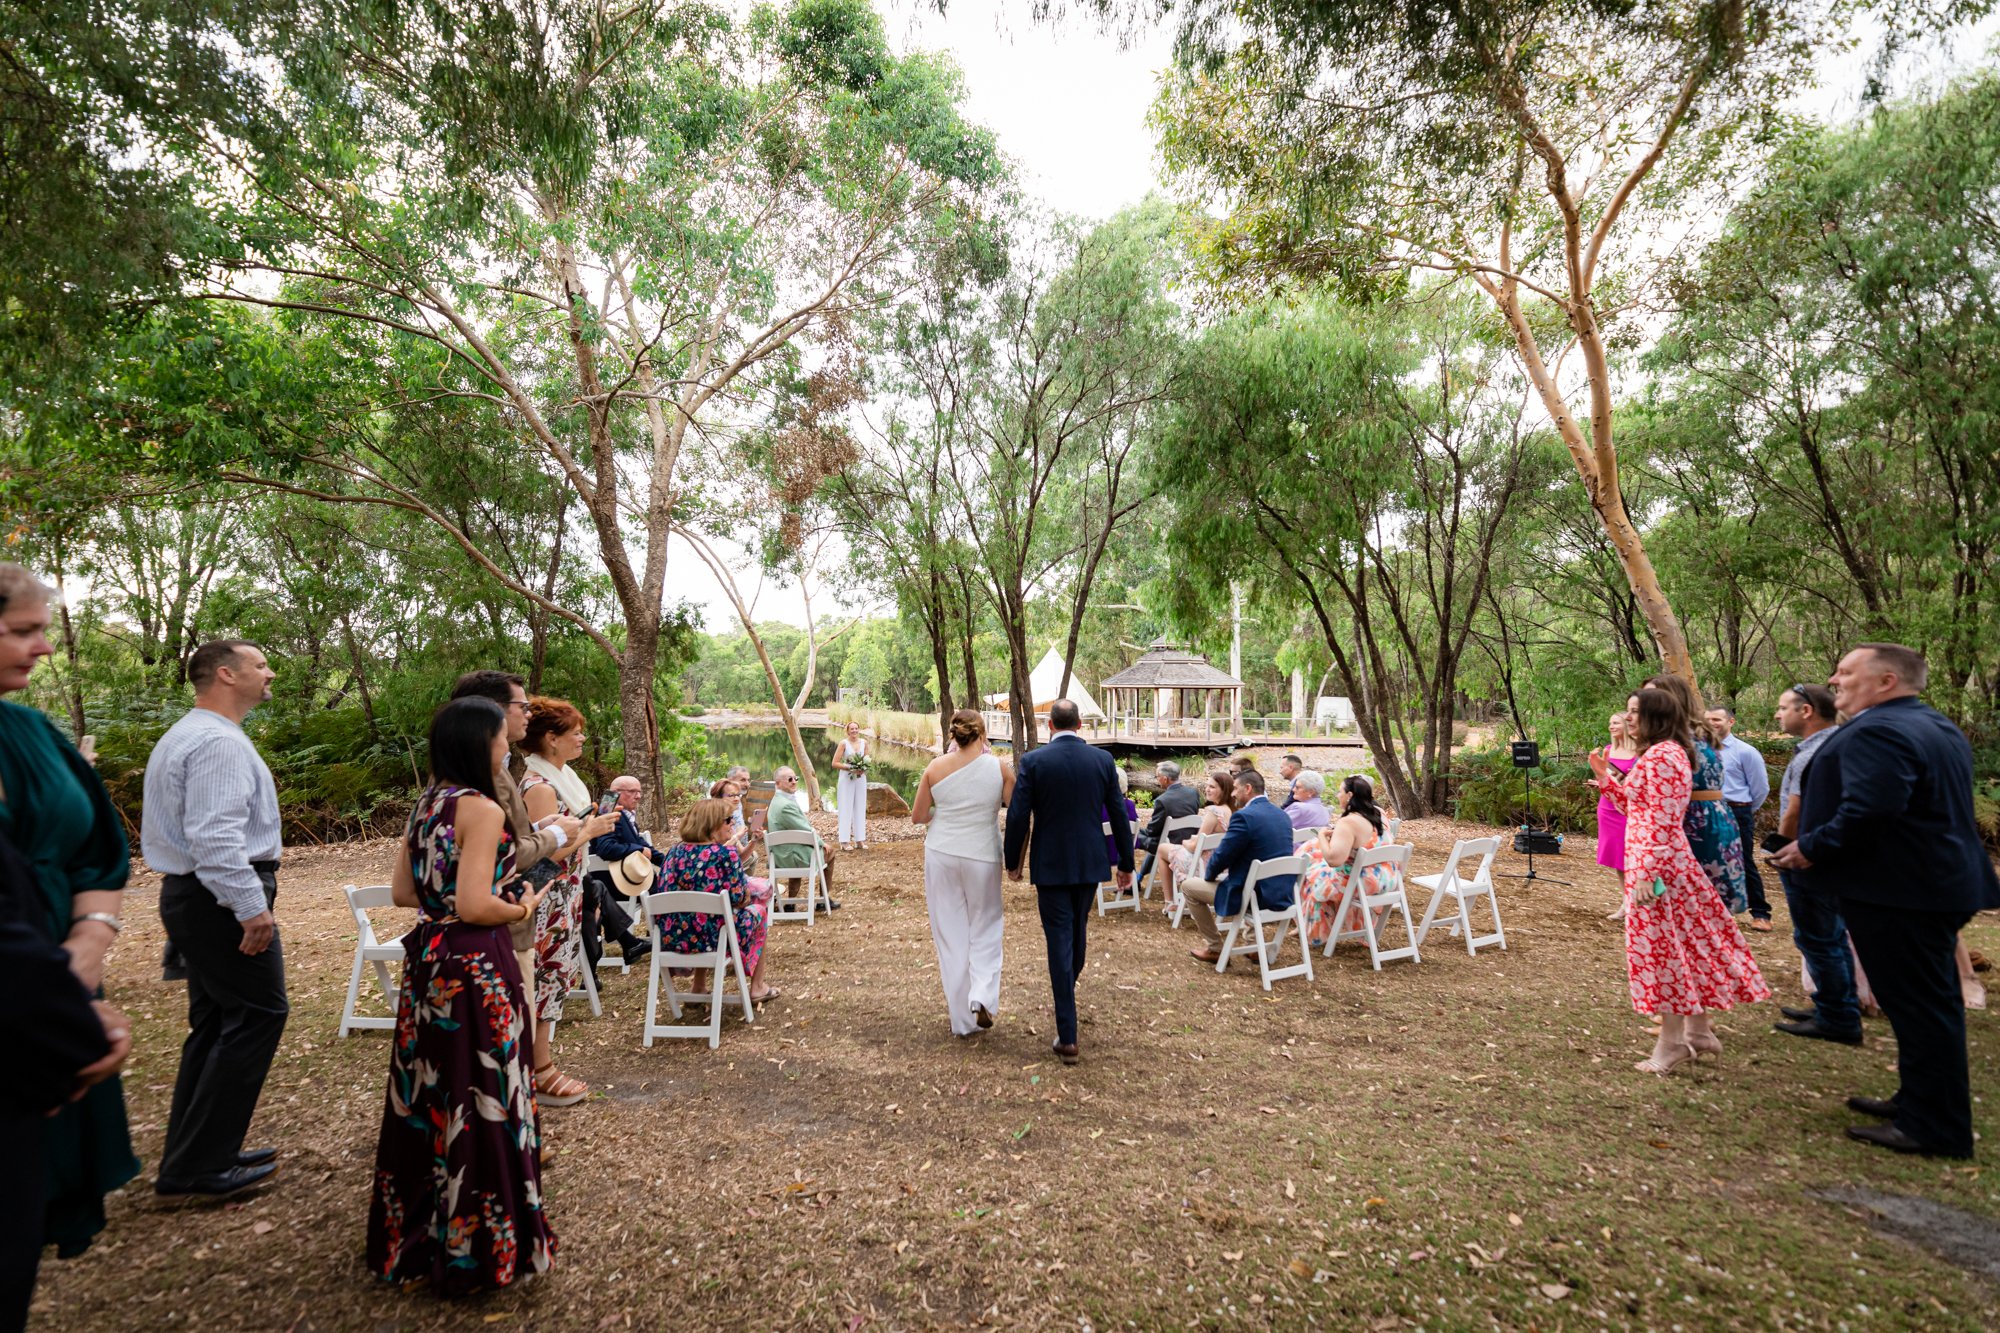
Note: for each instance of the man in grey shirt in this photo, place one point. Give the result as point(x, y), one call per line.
point(1818, 929)
point(211, 829)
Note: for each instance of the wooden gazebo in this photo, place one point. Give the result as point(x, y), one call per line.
point(1171, 695)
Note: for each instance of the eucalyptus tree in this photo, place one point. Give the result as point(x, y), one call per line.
point(1546, 152)
point(607, 228)
point(1364, 468)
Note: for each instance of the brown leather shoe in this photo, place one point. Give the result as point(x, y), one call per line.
point(1205, 955)
point(1068, 1053)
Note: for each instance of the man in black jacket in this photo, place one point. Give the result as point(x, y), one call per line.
point(1886, 826)
point(1177, 800)
point(61, 1043)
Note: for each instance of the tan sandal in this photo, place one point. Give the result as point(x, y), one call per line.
point(555, 1088)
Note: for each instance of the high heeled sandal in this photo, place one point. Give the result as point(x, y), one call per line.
point(1711, 1045)
point(1652, 1064)
point(555, 1088)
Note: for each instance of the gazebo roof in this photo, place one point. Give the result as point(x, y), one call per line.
point(1167, 667)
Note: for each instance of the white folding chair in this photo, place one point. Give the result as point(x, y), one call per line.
point(1460, 888)
point(1185, 824)
point(788, 902)
point(725, 957)
point(1302, 836)
point(1253, 915)
point(1357, 893)
point(1202, 844)
point(370, 951)
point(588, 989)
point(1111, 898)
point(1392, 829)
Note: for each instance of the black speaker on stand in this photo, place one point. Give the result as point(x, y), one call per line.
point(1528, 757)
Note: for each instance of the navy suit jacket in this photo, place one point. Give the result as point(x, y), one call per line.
point(1257, 832)
point(622, 841)
point(1176, 802)
point(1064, 789)
point(1885, 814)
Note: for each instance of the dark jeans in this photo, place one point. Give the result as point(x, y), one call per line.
point(602, 917)
point(1065, 910)
point(1821, 934)
point(21, 1221)
point(1912, 964)
point(236, 1014)
point(1746, 824)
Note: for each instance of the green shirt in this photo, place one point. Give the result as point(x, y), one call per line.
point(787, 817)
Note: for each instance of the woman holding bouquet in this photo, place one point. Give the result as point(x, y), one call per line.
point(850, 759)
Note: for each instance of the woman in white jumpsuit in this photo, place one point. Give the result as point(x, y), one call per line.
point(851, 794)
point(960, 798)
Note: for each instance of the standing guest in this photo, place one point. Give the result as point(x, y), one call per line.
point(56, 812)
point(1308, 804)
point(458, 1192)
point(211, 829)
point(960, 797)
point(1330, 860)
point(1177, 800)
point(533, 842)
point(1683, 951)
point(554, 740)
point(1745, 784)
point(1131, 813)
point(1064, 791)
point(1886, 827)
point(1289, 769)
point(1619, 756)
point(851, 792)
point(1819, 932)
point(786, 815)
point(704, 862)
point(1711, 825)
point(1258, 831)
point(63, 1044)
point(602, 914)
point(1219, 803)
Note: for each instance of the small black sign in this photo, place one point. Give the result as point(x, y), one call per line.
point(1527, 754)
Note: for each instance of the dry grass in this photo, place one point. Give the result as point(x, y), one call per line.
point(1454, 1145)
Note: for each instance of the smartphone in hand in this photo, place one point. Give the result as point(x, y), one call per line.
point(607, 803)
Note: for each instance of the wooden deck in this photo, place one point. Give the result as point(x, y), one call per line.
point(1146, 739)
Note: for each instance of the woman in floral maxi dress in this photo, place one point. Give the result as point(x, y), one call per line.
point(1711, 825)
point(551, 787)
point(1683, 951)
point(458, 1194)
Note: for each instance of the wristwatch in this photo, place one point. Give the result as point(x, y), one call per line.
point(103, 918)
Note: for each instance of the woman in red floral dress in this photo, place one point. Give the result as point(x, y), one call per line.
point(1683, 949)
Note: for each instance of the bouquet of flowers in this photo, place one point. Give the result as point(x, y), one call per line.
point(858, 763)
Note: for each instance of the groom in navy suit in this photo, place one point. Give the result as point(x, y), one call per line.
point(1886, 828)
point(1066, 790)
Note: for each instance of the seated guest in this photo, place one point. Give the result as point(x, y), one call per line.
point(786, 815)
point(1330, 859)
point(1257, 832)
point(1218, 803)
point(704, 862)
point(603, 915)
point(731, 790)
point(1307, 809)
point(1131, 811)
point(1177, 800)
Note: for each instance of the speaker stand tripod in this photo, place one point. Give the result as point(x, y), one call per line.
point(1528, 805)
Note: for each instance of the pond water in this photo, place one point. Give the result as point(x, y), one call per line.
point(763, 749)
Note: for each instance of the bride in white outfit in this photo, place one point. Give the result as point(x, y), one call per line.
point(851, 795)
point(961, 797)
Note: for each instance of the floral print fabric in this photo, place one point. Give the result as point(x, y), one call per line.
point(711, 867)
point(458, 1195)
point(558, 922)
point(1324, 884)
point(1683, 950)
point(1713, 834)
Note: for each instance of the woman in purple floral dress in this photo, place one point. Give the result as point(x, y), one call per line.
point(704, 862)
point(458, 1189)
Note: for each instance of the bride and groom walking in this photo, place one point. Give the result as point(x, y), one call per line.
point(1064, 792)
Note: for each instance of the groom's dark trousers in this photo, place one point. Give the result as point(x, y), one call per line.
point(1066, 791)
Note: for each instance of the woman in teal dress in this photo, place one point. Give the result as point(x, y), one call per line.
point(57, 813)
point(1710, 823)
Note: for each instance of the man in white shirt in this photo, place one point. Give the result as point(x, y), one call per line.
point(1746, 782)
point(211, 829)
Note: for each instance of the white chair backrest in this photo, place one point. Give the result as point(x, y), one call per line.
point(1185, 824)
point(1483, 848)
point(1392, 829)
point(1302, 836)
point(1384, 853)
point(707, 904)
point(1272, 869)
point(791, 838)
point(361, 900)
point(1106, 826)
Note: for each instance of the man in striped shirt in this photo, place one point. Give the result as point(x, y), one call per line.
point(211, 829)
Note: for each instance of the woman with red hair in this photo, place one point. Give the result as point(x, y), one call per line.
point(550, 787)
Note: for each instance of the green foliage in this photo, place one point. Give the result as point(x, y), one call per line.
point(1488, 790)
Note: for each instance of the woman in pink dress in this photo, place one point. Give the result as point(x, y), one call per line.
point(1610, 819)
point(1683, 950)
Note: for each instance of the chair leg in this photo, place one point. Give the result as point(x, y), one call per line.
point(347, 1013)
point(717, 989)
point(590, 991)
point(1430, 912)
point(653, 997)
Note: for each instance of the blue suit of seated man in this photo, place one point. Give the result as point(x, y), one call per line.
point(1257, 832)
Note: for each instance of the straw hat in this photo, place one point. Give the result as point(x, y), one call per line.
point(632, 876)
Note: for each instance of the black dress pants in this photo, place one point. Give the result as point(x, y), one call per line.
point(1910, 959)
point(21, 1221)
point(1753, 880)
point(236, 1014)
point(603, 918)
point(1065, 910)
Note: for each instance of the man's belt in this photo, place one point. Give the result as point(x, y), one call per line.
point(1704, 796)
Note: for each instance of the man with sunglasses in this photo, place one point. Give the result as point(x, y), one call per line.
point(787, 815)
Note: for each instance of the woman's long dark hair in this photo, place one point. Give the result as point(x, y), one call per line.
point(1663, 717)
point(1361, 800)
point(462, 735)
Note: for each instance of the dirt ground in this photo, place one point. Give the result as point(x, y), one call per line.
point(1457, 1144)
